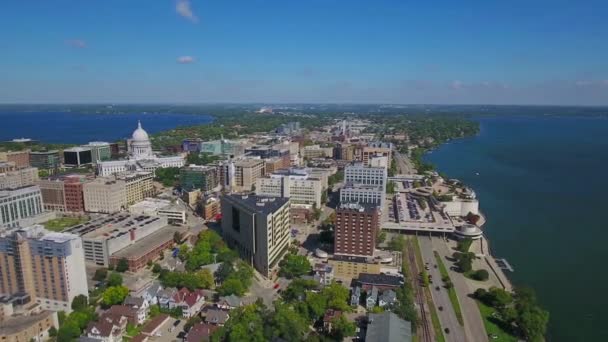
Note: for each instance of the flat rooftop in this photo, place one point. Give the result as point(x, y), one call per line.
point(112, 225)
point(149, 243)
point(259, 204)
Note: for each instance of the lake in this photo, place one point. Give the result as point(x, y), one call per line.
point(82, 128)
point(542, 186)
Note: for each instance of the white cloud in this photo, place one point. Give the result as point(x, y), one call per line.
point(183, 8)
point(456, 85)
point(76, 43)
point(185, 60)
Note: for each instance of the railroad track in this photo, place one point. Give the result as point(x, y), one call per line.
point(427, 331)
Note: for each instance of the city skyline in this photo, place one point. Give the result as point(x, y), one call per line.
point(317, 51)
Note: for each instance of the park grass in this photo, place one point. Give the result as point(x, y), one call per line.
point(490, 323)
point(62, 223)
point(451, 291)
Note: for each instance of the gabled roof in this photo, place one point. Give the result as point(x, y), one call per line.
point(134, 301)
point(388, 327)
point(388, 296)
point(200, 332)
point(122, 310)
point(216, 316)
point(232, 300)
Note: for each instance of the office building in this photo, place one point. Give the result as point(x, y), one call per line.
point(365, 175)
point(258, 227)
point(316, 151)
point(344, 151)
point(295, 184)
point(246, 173)
point(174, 212)
point(64, 193)
point(376, 149)
point(20, 158)
point(224, 147)
point(364, 194)
point(138, 185)
point(349, 267)
point(48, 160)
point(100, 151)
point(48, 266)
point(204, 178)
point(192, 144)
point(210, 208)
point(13, 177)
point(356, 229)
point(77, 156)
point(105, 195)
point(21, 207)
point(106, 235)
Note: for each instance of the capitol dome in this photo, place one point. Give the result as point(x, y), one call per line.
point(140, 134)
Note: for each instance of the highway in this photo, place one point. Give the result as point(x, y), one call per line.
point(447, 316)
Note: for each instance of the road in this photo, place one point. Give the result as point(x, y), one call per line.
point(447, 316)
point(473, 322)
point(404, 165)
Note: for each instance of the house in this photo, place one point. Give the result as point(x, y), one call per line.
point(164, 297)
point(108, 328)
point(381, 281)
point(388, 327)
point(324, 274)
point(126, 311)
point(201, 332)
point(216, 316)
point(372, 298)
point(139, 304)
point(153, 326)
point(229, 302)
point(190, 302)
point(388, 297)
point(355, 297)
point(329, 317)
point(151, 293)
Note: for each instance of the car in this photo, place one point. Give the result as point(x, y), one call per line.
point(276, 286)
point(181, 334)
point(176, 323)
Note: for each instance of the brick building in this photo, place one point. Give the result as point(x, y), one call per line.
point(357, 227)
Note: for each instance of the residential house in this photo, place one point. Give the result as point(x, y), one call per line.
point(201, 332)
point(229, 302)
point(387, 298)
point(324, 274)
point(190, 302)
point(329, 317)
point(372, 298)
point(141, 305)
point(216, 316)
point(388, 327)
point(165, 296)
point(151, 293)
point(130, 313)
point(108, 328)
point(355, 297)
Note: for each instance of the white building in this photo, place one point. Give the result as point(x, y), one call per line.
point(160, 207)
point(365, 175)
point(461, 206)
point(360, 193)
point(294, 184)
point(15, 178)
point(141, 157)
point(21, 207)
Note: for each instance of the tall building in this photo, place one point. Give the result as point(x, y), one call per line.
point(376, 149)
point(192, 144)
point(100, 151)
point(356, 229)
point(20, 158)
point(359, 174)
point(138, 185)
point(258, 227)
point(364, 194)
point(295, 184)
point(13, 177)
point(47, 160)
point(21, 207)
point(246, 173)
point(104, 195)
point(77, 156)
point(48, 266)
point(63, 193)
point(204, 178)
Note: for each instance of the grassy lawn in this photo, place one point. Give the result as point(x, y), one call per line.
point(490, 323)
point(62, 223)
point(451, 290)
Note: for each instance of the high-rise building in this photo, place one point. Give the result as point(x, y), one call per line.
point(376, 149)
point(359, 174)
point(21, 207)
point(100, 151)
point(138, 185)
point(47, 160)
point(246, 173)
point(77, 156)
point(192, 144)
point(204, 178)
point(45, 265)
point(63, 193)
point(356, 229)
point(104, 195)
point(364, 194)
point(258, 227)
point(13, 177)
point(20, 158)
point(295, 184)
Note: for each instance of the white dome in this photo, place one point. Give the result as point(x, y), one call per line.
point(140, 134)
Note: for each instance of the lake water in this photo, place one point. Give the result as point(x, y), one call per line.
point(543, 187)
point(81, 128)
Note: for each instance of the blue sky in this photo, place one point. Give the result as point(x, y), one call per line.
point(117, 51)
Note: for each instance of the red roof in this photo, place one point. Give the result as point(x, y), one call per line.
point(152, 325)
point(201, 332)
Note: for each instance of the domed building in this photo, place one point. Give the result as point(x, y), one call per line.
point(139, 145)
point(141, 157)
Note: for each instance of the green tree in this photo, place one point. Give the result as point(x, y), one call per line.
point(381, 237)
point(223, 271)
point(156, 268)
point(53, 332)
point(481, 275)
point(80, 303)
point(287, 324)
point(68, 332)
point(341, 328)
point(532, 321)
point(231, 286)
point(316, 304)
point(397, 243)
point(115, 279)
point(293, 266)
point(100, 274)
point(114, 295)
point(390, 187)
point(337, 296)
point(122, 265)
